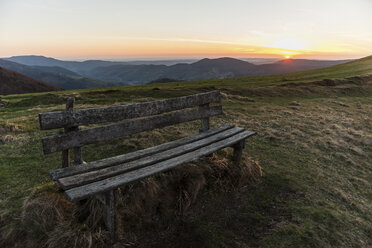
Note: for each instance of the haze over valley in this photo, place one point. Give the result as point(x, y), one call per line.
point(99, 73)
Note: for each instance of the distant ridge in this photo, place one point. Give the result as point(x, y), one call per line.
point(12, 82)
point(205, 69)
point(75, 66)
point(57, 76)
point(135, 73)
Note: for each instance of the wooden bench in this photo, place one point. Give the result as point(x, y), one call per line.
point(102, 177)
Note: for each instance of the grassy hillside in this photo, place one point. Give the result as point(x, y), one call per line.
point(57, 76)
point(314, 146)
point(354, 68)
point(12, 82)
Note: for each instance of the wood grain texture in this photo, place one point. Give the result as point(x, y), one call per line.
point(96, 175)
point(66, 153)
point(204, 121)
point(65, 157)
point(52, 120)
point(103, 163)
point(238, 151)
point(87, 190)
point(109, 214)
point(78, 157)
point(88, 136)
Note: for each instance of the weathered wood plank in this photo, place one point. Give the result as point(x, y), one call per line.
point(51, 120)
point(66, 153)
point(204, 121)
point(96, 175)
point(65, 158)
point(80, 138)
point(238, 151)
point(84, 191)
point(109, 214)
point(103, 163)
point(78, 156)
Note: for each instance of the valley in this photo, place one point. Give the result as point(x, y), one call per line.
point(98, 73)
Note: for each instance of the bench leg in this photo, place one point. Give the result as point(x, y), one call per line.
point(238, 151)
point(65, 158)
point(109, 214)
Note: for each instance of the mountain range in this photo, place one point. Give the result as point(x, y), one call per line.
point(57, 76)
point(203, 69)
point(100, 73)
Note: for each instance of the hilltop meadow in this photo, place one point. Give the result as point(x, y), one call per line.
point(305, 180)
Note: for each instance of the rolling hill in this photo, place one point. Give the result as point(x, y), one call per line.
point(292, 65)
point(203, 69)
point(142, 72)
point(75, 66)
point(57, 76)
point(353, 68)
point(12, 82)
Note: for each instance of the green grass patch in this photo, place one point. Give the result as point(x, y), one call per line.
point(314, 145)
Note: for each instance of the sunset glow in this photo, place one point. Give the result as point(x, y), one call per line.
point(167, 29)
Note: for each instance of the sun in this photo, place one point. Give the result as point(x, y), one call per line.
point(287, 57)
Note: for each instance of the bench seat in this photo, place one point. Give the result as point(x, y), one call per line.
point(82, 181)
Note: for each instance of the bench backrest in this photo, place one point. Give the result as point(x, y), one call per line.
point(149, 115)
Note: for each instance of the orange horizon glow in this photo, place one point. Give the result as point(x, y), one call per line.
point(186, 29)
point(168, 48)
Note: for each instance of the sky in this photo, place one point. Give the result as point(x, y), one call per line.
point(113, 29)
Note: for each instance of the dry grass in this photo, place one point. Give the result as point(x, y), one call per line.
point(9, 128)
point(12, 139)
point(328, 124)
point(53, 221)
point(314, 143)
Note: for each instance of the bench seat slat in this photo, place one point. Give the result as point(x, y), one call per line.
point(103, 163)
point(84, 191)
point(88, 136)
point(93, 176)
point(52, 120)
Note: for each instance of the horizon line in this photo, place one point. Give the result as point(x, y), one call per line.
point(173, 58)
